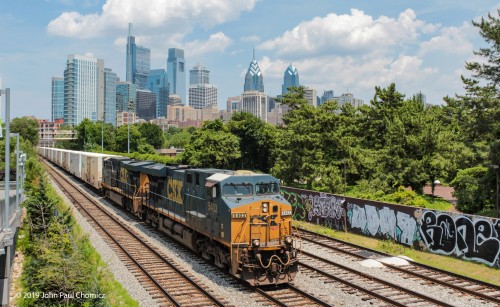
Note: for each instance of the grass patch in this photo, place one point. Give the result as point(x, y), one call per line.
point(466, 268)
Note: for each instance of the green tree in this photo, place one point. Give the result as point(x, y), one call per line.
point(88, 135)
point(122, 138)
point(469, 190)
point(298, 151)
point(213, 146)
point(476, 115)
point(254, 142)
point(26, 127)
point(40, 206)
point(152, 134)
point(178, 139)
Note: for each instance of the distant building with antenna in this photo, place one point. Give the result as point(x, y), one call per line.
point(253, 78)
point(138, 61)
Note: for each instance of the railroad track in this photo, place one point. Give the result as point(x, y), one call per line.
point(365, 285)
point(289, 295)
point(156, 272)
point(282, 295)
point(428, 275)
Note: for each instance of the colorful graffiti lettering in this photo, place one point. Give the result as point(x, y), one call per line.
point(458, 235)
point(384, 222)
point(325, 206)
point(461, 236)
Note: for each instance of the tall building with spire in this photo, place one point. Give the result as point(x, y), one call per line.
point(176, 72)
point(253, 79)
point(291, 78)
point(138, 61)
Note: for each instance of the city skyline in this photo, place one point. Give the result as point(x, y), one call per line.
point(421, 46)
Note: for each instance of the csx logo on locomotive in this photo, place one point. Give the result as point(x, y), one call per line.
point(174, 190)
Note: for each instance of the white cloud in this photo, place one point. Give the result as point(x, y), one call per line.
point(354, 32)
point(455, 40)
point(217, 42)
point(160, 15)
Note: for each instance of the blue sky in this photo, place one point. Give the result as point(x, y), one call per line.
point(336, 45)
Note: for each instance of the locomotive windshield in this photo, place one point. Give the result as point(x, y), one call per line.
point(270, 188)
point(237, 189)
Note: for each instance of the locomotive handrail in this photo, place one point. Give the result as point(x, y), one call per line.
point(271, 258)
point(241, 239)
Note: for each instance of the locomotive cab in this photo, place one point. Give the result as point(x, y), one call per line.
point(262, 240)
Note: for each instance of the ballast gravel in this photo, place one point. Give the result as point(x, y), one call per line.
point(233, 293)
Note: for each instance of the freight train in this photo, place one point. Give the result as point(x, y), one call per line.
point(236, 219)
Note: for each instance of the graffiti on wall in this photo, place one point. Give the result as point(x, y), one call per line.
point(383, 222)
point(327, 210)
point(458, 235)
point(473, 239)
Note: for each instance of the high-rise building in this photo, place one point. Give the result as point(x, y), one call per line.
point(83, 86)
point(349, 98)
point(291, 78)
point(254, 102)
point(176, 72)
point(126, 97)
point(201, 93)
point(199, 75)
point(327, 95)
point(253, 78)
point(158, 84)
point(146, 104)
point(109, 96)
point(57, 98)
point(311, 97)
point(138, 61)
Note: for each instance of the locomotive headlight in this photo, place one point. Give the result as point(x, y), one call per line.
point(265, 207)
point(288, 239)
point(255, 242)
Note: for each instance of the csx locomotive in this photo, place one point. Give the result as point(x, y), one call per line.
point(237, 219)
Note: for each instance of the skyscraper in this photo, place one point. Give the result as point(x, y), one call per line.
point(109, 96)
point(146, 104)
point(291, 78)
point(126, 97)
point(201, 93)
point(138, 61)
point(253, 78)
point(176, 72)
point(158, 84)
point(199, 75)
point(311, 97)
point(327, 95)
point(81, 88)
point(57, 98)
point(254, 102)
